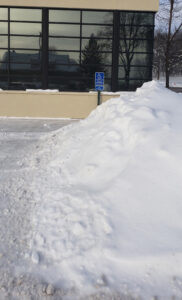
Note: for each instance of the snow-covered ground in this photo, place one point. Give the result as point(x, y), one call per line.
point(93, 210)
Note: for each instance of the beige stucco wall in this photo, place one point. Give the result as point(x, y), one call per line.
point(145, 5)
point(48, 105)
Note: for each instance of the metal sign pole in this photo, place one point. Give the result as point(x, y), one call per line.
point(98, 98)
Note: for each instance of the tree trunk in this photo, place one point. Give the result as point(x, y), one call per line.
point(167, 66)
point(168, 43)
point(158, 71)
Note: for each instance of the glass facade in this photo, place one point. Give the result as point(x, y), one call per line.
point(62, 49)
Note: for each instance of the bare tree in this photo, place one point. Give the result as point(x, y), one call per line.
point(159, 53)
point(171, 23)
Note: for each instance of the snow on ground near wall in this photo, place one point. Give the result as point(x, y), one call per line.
point(108, 198)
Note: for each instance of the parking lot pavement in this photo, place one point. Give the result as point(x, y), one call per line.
point(176, 89)
point(18, 134)
point(32, 125)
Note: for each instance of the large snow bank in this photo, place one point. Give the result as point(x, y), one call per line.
point(108, 197)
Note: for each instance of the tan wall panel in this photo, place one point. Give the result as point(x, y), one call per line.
point(44, 105)
point(146, 5)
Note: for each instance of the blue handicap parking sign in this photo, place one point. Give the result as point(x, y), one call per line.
point(99, 81)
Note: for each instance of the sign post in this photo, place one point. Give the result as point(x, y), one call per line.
point(99, 84)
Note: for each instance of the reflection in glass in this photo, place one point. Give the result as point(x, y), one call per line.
point(92, 61)
point(65, 83)
point(26, 56)
point(25, 14)
point(107, 85)
point(3, 67)
point(25, 42)
point(136, 18)
point(143, 59)
point(64, 30)
point(97, 30)
point(70, 16)
point(69, 58)
point(25, 61)
point(26, 28)
point(3, 28)
point(4, 41)
point(104, 45)
point(63, 70)
point(97, 17)
point(133, 84)
point(128, 60)
point(146, 32)
point(64, 44)
point(3, 13)
point(136, 32)
point(128, 47)
point(23, 81)
point(136, 73)
point(35, 65)
point(20, 67)
point(106, 58)
point(4, 55)
point(3, 81)
point(135, 45)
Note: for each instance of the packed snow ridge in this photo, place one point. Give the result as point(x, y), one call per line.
point(108, 199)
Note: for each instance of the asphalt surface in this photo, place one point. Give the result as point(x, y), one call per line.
point(176, 89)
point(32, 125)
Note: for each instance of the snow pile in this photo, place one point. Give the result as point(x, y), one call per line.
point(108, 198)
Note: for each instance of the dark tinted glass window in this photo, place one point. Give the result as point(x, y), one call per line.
point(25, 42)
point(135, 46)
point(3, 13)
point(56, 58)
point(21, 14)
point(63, 70)
point(97, 31)
point(3, 81)
point(136, 32)
point(22, 80)
point(26, 56)
point(80, 44)
point(66, 83)
point(64, 30)
point(64, 44)
point(3, 67)
point(136, 18)
point(131, 85)
point(141, 59)
point(25, 28)
point(100, 45)
point(97, 17)
point(104, 58)
point(69, 16)
point(3, 55)
point(4, 41)
point(3, 28)
point(135, 72)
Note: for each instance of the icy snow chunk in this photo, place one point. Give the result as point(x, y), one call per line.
point(50, 290)
point(35, 257)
